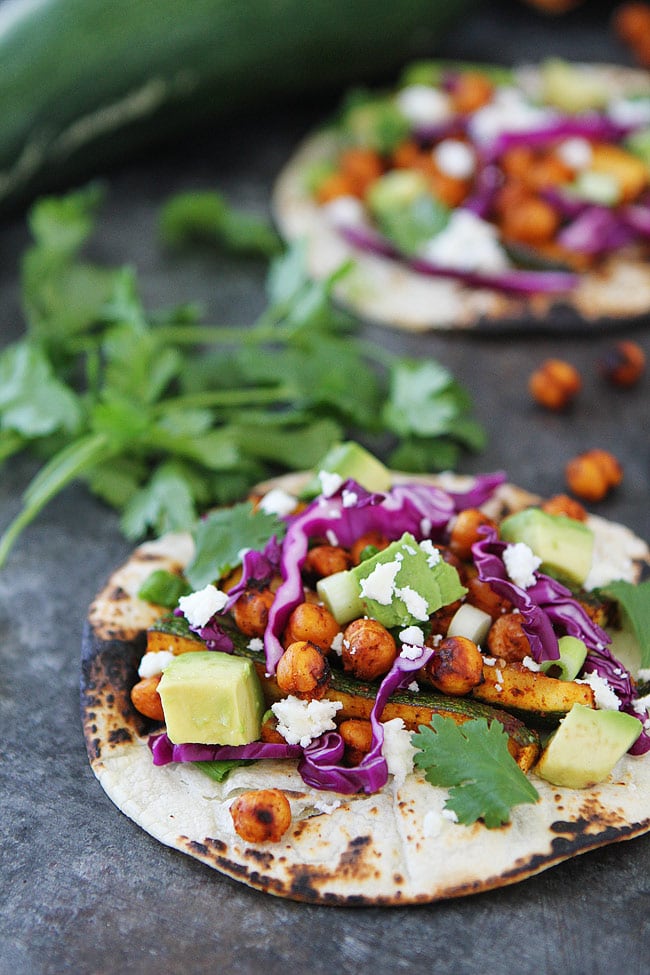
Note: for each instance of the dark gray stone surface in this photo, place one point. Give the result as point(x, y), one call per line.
point(82, 889)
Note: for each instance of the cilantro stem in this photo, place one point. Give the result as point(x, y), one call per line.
point(217, 334)
point(251, 396)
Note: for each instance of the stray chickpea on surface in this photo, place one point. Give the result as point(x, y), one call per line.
point(623, 364)
point(555, 384)
point(261, 815)
point(592, 475)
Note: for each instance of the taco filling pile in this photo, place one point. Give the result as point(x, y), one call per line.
point(365, 630)
point(526, 182)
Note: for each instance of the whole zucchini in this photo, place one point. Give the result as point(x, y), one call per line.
point(83, 82)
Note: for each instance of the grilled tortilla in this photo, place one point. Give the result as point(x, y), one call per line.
point(610, 280)
point(389, 848)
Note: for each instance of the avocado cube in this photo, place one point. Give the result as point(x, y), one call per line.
point(350, 461)
point(564, 545)
point(586, 746)
point(211, 698)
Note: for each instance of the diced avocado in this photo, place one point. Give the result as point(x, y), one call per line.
point(211, 698)
point(350, 460)
point(408, 214)
point(376, 123)
point(573, 88)
point(564, 545)
point(471, 622)
point(597, 187)
point(340, 594)
point(405, 583)
point(572, 656)
point(639, 144)
point(586, 746)
point(432, 72)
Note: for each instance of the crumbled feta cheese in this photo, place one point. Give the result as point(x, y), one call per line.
point(380, 583)
point(424, 105)
point(498, 688)
point(642, 705)
point(450, 815)
point(414, 687)
point(278, 502)
point(323, 806)
point(454, 158)
point(509, 111)
point(604, 696)
point(330, 483)
point(199, 607)
point(425, 527)
point(531, 664)
point(630, 111)
point(432, 553)
point(413, 635)
point(337, 644)
point(345, 211)
point(498, 674)
point(299, 722)
point(256, 644)
point(410, 652)
point(466, 243)
point(153, 663)
point(520, 562)
point(490, 661)
point(432, 823)
point(331, 537)
point(644, 674)
point(349, 498)
point(415, 603)
point(398, 750)
point(576, 152)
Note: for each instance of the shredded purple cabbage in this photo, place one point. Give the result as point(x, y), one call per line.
point(165, 751)
point(320, 764)
point(596, 230)
point(636, 216)
point(590, 126)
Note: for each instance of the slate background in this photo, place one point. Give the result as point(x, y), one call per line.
point(82, 889)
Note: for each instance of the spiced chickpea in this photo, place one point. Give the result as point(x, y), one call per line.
point(452, 559)
point(555, 384)
point(562, 504)
point(466, 530)
point(269, 730)
point(146, 699)
point(534, 221)
point(369, 649)
point(481, 595)
point(472, 90)
point(303, 670)
point(623, 364)
point(456, 666)
point(593, 474)
point(357, 736)
point(506, 638)
point(251, 611)
point(372, 539)
point(314, 623)
point(261, 815)
point(325, 560)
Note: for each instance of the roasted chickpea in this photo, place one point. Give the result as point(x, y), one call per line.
point(261, 815)
point(369, 649)
point(481, 595)
point(593, 474)
point(452, 559)
point(623, 364)
point(325, 560)
point(335, 185)
point(562, 504)
point(471, 91)
point(269, 730)
point(303, 670)
point(406, 155)
point(456, 666)
point(373, 539)
point(357, 735)
point(555, 384)
point(506, 638)
point(314, 623)
point(533, 221)
point(362, 166)
point(251, 611)
point(632, 21)
point(465, 531)
point(146, 699)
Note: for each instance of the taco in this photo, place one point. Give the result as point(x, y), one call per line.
point(476, 196)
point(377, 689)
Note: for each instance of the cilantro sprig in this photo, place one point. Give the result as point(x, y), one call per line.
point(162, 415)
point(472, 760)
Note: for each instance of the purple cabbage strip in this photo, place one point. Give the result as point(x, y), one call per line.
point(636, 216)
point(320, 764)
point(489, 179)
point(483, 488)
point(165, 751)
point(421, 509)
point(596, 230)
point(591, 126)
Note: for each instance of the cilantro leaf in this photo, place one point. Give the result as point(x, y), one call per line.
point(33, 401)
point(221, 536)
point(221, 768)
point(204, 215)
point(163, 588)
point(635, 603)
point(472, 760)
point(165, 503)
